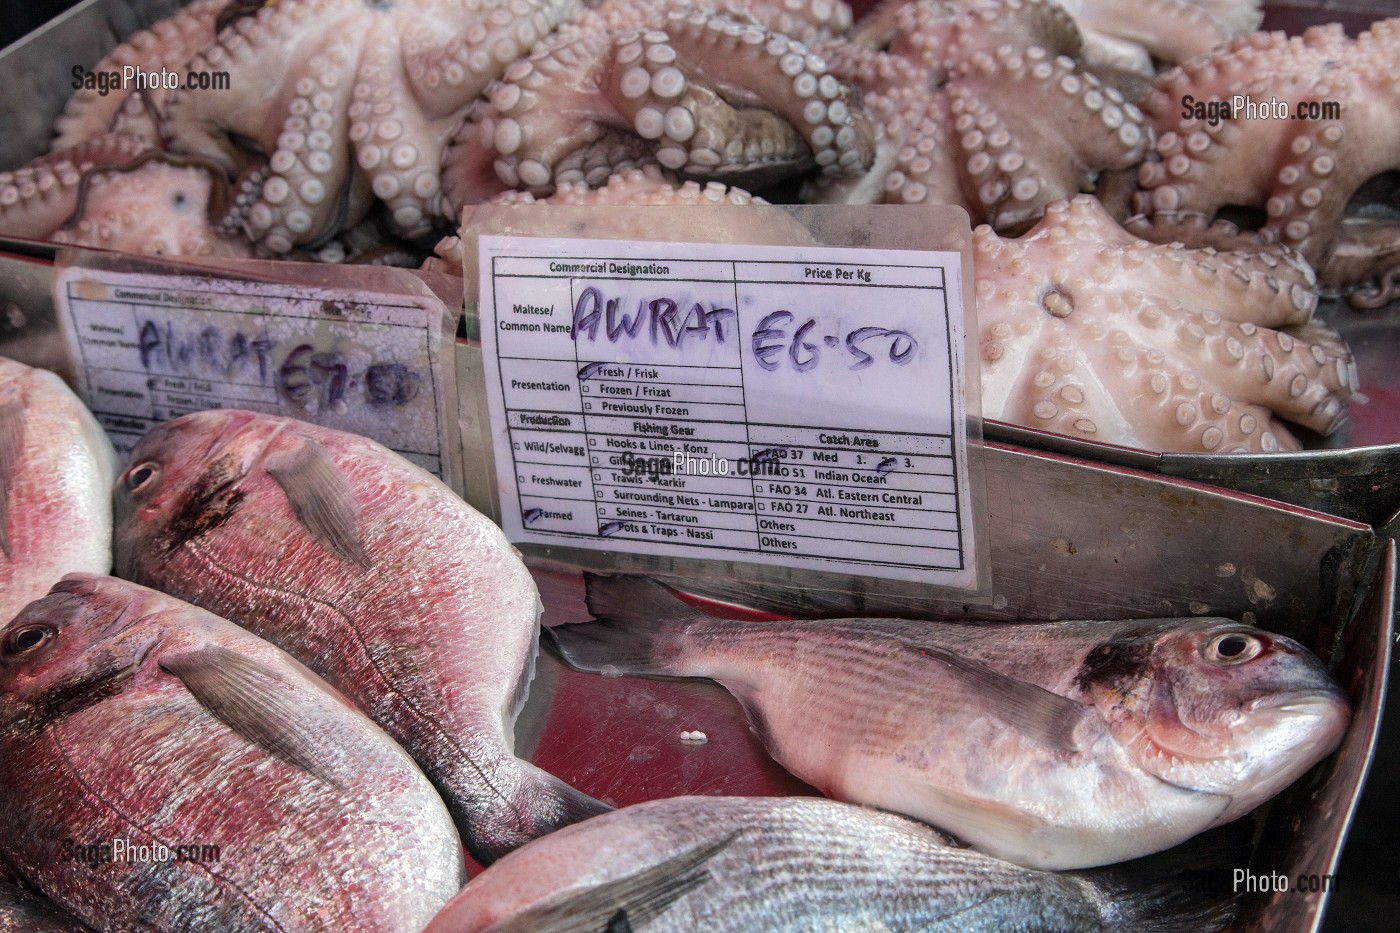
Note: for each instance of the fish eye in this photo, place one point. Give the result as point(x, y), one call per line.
point(1232, 648)
point(139, 476)
point(27, 638)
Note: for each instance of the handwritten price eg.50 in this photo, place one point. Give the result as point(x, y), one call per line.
point(863, 346)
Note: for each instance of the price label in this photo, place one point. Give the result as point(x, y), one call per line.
point(800, 406)
point(148, 348)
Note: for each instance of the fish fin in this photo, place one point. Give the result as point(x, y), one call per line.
point(868, 599)
point(540, 804)
point(1189, 887)
point(996, 821)
point(321, 497)
point(625, 904)
point(636, 600)
point(11, 449)
point(1046, 717)
point(637, 629)
point(252, 702)
point(520, 693)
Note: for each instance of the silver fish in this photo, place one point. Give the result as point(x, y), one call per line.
point(56, 472)
point(166, 769)
point(1058, 745)
point(371, 572)
point(24, 912)
point(802, 864)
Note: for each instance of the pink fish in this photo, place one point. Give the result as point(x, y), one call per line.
point(1056, 745)
point(56, 471)
point(166, 769)
point(371, 572)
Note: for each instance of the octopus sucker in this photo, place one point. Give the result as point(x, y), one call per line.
point(1088, 331)
point(1314, 181)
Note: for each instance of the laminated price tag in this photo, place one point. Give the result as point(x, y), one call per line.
point(150, 347)
point(796, 406)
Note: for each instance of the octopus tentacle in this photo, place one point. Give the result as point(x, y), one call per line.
point(482, 37)
point(1299, 176)
point(1089, 331)
point(396, 139)
point(1096, 130)
point(40, 197)
point(785, 77)
point(168, 44)
point(400, 128)
point(595, 164)
point(647, 185)
point(662, 86)
point(545, 107)
point(158, 205)
point(298, 120)
point(941, 35)
point(805, 21)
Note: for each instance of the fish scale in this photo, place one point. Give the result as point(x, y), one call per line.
point(1055, 745)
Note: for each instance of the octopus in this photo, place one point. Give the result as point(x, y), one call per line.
point(1091, 332)
point(118, 191)
point(731, 95)
point(1122, 41)
point(334, 109)
point(985, 107)
point(337, 104)
point(1324, 183)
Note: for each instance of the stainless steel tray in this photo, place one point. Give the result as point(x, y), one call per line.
point(1070, 539)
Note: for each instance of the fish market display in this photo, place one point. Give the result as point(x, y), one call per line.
point(1060, 745)
point(23, 912)
point(56, 472)
point(166, 769)
point(370, 571)
point(335, 124)
point(740, 865)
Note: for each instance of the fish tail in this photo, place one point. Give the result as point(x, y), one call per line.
point(1185, 889)
point(640, 629)
point(540, 804)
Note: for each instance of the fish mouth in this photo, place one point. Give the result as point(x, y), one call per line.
point(1310, 702)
